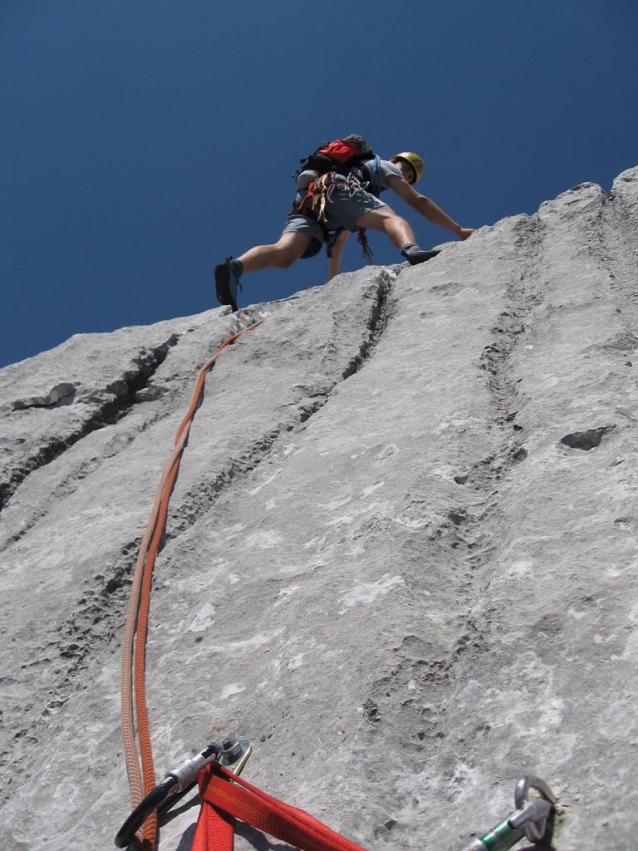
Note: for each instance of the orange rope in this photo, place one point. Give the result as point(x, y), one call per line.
point(133, 699)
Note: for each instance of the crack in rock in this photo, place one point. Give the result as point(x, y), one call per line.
point(523, 296)
point(377, 323)
point(115, 401)
point(199, 501)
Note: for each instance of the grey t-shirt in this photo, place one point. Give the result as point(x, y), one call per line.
point(378, 173)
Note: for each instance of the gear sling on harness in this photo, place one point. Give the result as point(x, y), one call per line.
point(319, 195)
point(225, 797)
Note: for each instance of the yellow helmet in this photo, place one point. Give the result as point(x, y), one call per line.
point(412, 159)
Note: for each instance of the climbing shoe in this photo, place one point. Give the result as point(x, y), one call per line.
point(415, 255)
point(227, 282)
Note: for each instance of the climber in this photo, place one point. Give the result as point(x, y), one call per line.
point(347, 203)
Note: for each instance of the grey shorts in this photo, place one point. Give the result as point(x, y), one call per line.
point(344, 211)
point(346, 208)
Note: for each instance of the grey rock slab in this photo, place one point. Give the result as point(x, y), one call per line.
point(49, 402)
point(400, 556)
point(78, 548)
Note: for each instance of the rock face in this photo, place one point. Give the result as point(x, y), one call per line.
point(400, 557)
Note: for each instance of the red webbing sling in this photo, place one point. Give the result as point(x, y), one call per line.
point(223, 800)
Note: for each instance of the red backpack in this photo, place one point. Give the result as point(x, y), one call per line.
point(339, 156)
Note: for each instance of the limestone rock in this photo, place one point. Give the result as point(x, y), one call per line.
point(400, 555)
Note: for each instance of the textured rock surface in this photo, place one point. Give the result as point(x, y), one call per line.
point(401, 553)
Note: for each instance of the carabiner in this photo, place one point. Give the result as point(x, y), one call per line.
point(536, 825)
point(531, 818)
point(231, 753)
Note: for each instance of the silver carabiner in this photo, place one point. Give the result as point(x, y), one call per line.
point(531, 818)
point(534, 814)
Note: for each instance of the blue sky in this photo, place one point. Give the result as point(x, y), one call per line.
point(143, 141)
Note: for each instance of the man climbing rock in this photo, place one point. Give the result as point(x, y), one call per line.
point(330, 206)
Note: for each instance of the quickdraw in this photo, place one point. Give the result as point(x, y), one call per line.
point(533, 818)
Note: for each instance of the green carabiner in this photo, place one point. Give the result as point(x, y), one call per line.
point(530, 819)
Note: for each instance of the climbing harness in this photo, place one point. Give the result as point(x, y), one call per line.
point(134, 713)
point(321, 190)
point(532, 818)
point(319, 195)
